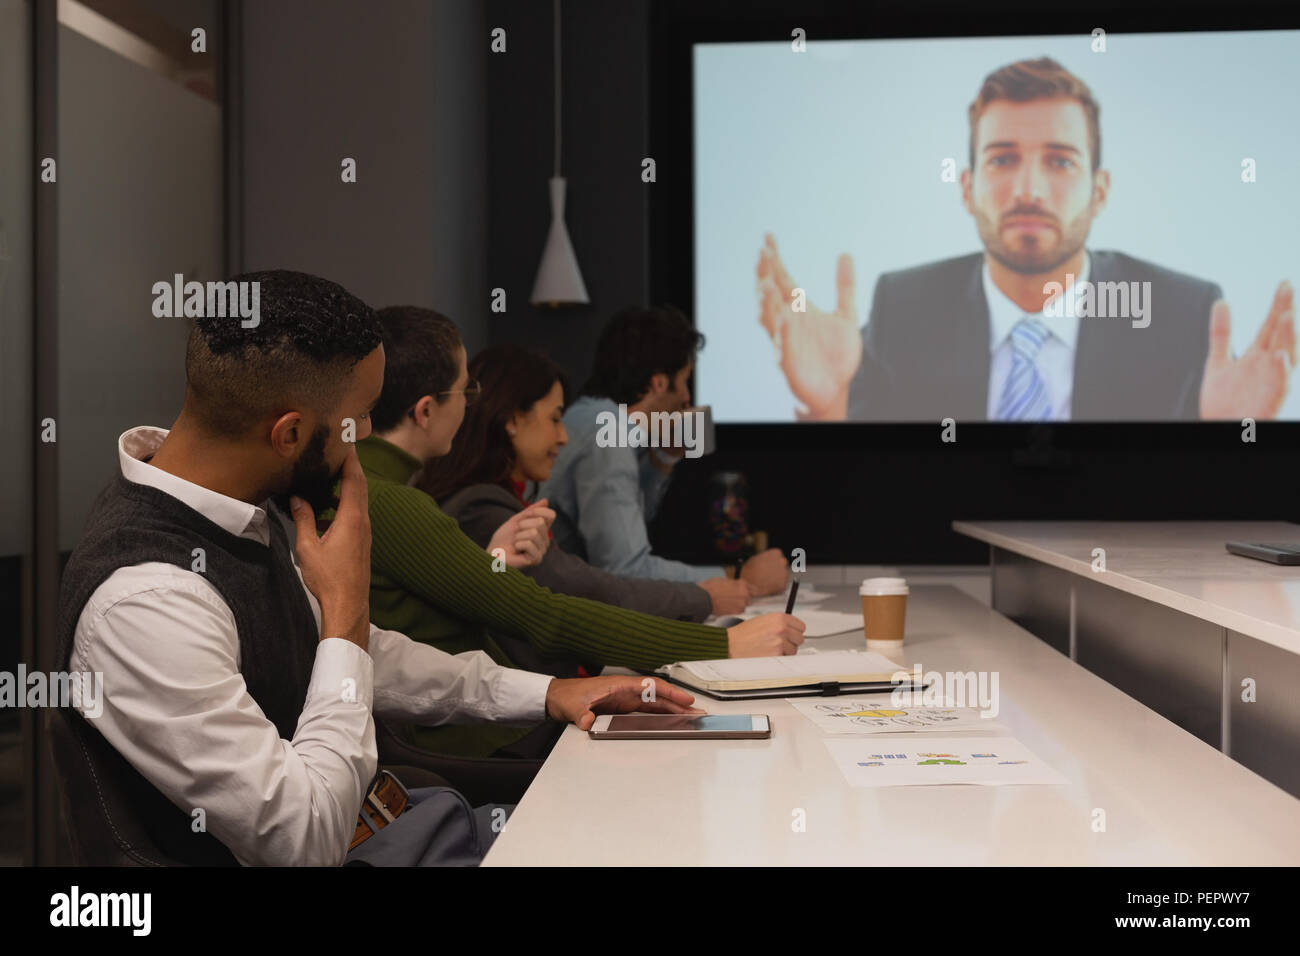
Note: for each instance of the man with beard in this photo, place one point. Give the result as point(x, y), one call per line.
point(970, 338)
point(240, 667)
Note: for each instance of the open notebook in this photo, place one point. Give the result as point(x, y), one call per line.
point(828, 672)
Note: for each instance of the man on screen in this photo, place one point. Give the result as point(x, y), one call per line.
point(988, 337)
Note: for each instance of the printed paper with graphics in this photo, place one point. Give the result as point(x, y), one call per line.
point(928, 761)
point(876, 715)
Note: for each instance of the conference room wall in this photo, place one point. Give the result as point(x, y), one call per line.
point(16, 392)
point(605, 92)
point(15, 284)
point(396, 85)
point(139, 200)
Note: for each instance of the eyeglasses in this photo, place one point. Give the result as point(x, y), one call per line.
point(471, 391)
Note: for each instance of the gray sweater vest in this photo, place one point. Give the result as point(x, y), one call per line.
point(133, 524)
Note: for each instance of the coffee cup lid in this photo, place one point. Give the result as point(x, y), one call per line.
point(883, 586)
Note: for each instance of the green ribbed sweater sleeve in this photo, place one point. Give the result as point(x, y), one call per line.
point(424, 551)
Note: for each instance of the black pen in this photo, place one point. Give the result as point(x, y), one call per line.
point(789, 603)
point(740, 563)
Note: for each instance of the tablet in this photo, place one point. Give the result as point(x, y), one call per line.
point(675, 726)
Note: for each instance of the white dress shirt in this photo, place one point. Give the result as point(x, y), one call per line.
point(176, 707)
point(1055, 360)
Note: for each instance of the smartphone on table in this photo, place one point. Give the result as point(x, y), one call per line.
point(1287, 553)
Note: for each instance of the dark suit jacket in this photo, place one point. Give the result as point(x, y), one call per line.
point(925, 348)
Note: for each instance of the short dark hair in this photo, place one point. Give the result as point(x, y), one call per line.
point(514, 379)
point(309, 334)
point(1039, 79)
point(637, 344)
point(420, 358)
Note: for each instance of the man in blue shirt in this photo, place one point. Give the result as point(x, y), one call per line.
point(604, 492)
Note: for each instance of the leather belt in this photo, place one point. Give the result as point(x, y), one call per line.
point(384, 802)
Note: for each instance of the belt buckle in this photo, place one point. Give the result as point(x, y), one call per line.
point(368, 827)
point(372, 797)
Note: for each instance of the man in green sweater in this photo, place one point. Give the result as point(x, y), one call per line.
point(431, 582)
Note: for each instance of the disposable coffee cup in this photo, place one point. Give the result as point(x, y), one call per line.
point(884, 609)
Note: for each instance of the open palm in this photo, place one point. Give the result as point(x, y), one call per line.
point(1254, 385)
point(820, 351)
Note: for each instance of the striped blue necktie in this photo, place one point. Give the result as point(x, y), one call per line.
point(1024, 396)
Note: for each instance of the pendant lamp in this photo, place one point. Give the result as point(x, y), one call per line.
point(559, 280)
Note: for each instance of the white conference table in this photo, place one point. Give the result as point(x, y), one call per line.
point(1168, 798)
point(1180, 565)
point(1209, 639)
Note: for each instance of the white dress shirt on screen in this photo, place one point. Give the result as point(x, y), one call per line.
point(1055, 360)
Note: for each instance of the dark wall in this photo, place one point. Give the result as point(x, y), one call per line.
point(606, 65)
point(396, 85)
point(889, 494)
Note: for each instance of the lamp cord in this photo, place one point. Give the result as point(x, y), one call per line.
point(557, 87)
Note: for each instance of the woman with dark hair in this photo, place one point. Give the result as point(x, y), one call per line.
point(509, 440)
point(429, 581)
